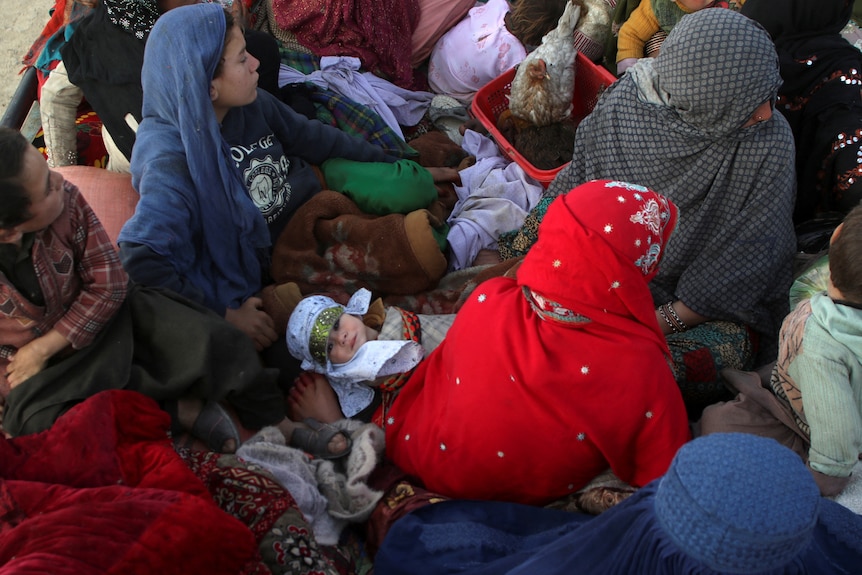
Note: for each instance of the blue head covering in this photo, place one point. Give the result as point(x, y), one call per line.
point(738, 503)
point(730, 503)
point(194, 208)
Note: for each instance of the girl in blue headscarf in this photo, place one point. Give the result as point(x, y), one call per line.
point(220, 167)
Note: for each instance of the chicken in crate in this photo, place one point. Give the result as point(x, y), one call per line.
point(541, 91)
point(541, 151)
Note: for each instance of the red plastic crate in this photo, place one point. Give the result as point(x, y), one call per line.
point(492, 99)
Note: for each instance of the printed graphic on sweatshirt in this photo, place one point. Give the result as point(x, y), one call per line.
point(264, 177)
point(267, 185)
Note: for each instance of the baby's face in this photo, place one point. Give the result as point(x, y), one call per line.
point(346, 337)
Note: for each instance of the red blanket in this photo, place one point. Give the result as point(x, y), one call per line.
point(103, 491)
point(379, 33)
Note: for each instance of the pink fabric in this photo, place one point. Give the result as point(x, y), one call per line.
point(436, 17)
point(110, 195)
point(475, 51)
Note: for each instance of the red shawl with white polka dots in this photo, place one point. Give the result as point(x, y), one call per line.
point(545, 381)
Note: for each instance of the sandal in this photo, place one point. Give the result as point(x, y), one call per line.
point(448, 115)
point(215, 427)
point(315, 440)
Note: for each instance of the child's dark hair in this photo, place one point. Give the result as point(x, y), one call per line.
point(529, 20)
point(14, 198)
point(229, 23)
point(845, 257)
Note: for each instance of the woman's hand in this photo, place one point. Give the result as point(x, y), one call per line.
point(250, 319)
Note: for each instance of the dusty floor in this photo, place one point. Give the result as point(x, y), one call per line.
point(20, 23)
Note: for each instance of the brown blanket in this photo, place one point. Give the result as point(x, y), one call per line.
point(330, 245)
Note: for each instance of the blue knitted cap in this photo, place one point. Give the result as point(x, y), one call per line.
point(738, 503)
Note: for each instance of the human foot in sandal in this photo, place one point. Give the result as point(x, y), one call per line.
point(320, 440)
point(209, 422)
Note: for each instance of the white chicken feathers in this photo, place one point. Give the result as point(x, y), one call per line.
point(544, 82)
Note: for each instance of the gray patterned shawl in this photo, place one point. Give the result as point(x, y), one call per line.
point(673, 124)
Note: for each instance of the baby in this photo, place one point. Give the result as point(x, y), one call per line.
point(813, 401)
point(339, 343)
point(649, 24)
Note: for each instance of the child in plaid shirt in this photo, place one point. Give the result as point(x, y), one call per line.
point(62, 281)
point(72, 325)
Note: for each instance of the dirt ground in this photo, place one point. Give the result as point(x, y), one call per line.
point(20, 24)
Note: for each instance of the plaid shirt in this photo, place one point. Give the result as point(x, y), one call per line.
point(81, 277)
point(345, 114)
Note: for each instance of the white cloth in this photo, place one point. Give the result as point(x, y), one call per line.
point(473, 52)
point(330, 494)
point(58, 108)
point(851, 496)
point(374, 359)
point(495, 196)
point(395, 105)
point(294, 471)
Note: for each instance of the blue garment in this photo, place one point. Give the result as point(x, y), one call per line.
point(490, 537)
point(194, 210)
point(274, 149)
point(730, 503)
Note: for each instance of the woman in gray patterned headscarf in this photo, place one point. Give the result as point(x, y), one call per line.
point(696, 124)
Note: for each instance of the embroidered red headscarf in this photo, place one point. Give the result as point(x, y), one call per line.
point(544, 382)
point(598, 253)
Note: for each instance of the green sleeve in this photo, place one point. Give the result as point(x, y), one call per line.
point(830, 407)
point(381, 188)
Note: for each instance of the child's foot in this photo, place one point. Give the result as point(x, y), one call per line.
point(209, 422)
point(311, 397)
point(320, 440)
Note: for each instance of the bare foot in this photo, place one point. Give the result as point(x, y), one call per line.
point(312, 397)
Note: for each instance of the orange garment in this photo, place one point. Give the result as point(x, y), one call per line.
point(642, 24)
point(637, 30)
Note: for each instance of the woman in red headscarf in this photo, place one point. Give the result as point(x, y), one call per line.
point(545, 381)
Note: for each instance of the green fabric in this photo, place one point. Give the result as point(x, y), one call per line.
point(515, 243)
point(668, 13)
point(381, 188)
point(827, 370)
point(441, 234)
point(700, 354)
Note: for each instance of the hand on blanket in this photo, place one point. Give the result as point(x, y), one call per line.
point(445, 175)
point(254, 322)
point(32, 358)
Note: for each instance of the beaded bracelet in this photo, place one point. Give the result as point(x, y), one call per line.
point(667, 320)
point(676, 318)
